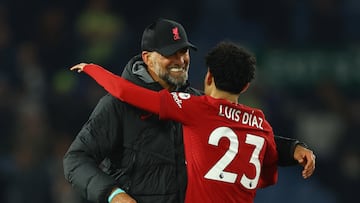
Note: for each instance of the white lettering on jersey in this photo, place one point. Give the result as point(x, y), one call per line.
point(252, 120)
point(229, 113)
point(246, 118)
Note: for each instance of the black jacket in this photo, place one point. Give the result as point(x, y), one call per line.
point(123, 146)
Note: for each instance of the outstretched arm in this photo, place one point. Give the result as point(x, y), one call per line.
point(122, 89)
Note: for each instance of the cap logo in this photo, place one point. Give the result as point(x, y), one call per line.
point(175, 32)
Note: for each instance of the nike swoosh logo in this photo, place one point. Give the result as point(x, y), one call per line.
point(145, 116)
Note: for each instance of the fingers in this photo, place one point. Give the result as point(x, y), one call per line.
point(79, 67)
point(74, 68)
point(306, 159)
point(309, 167)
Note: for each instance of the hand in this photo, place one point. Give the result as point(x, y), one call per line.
point(79, 67)
point(122, 198)
point(305, 158)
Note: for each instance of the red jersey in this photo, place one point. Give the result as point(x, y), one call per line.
point(229, 148)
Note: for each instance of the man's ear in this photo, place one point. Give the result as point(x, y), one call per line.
point(209, 78)
point(145, 57)
point(245, 88)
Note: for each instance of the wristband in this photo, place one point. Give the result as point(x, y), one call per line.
point(115, 192)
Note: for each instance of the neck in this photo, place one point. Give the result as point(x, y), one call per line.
point(219, 94)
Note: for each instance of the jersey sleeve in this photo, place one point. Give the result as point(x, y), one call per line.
point(269, 174)
point(180, 106)
point(124, 90)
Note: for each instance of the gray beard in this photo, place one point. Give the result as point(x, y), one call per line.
point(172, 81)
point(164, 75)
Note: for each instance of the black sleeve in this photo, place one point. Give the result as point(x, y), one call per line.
point(91, 145)
point(286, 147)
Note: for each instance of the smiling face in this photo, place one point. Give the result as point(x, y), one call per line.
point(170, 71)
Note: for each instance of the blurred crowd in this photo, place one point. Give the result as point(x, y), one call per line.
point(307, 82)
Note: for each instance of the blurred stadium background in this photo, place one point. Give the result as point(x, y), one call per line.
point(307, 82)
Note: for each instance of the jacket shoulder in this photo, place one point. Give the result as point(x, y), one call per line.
point(194, 91)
